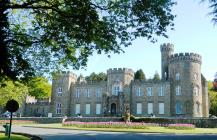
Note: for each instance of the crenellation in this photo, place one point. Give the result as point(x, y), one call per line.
point(167, 47)
point(188, 57)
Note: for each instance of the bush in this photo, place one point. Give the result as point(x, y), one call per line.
point(181, 126)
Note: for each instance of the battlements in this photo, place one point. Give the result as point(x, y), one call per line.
point(67, 73)
point(120, 70)
point(190, 57)
point(167, 47)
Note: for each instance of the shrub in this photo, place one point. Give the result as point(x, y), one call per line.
point(181, 126)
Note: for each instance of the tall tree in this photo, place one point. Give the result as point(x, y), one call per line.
point(139, 75)
point(212, 98)
point(39, 87)
point(213, 6)
point(156, 76)
point(44, 35)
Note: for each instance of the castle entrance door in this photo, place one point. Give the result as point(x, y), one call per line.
point(113, 109)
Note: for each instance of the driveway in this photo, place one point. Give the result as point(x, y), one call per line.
point(61, 134)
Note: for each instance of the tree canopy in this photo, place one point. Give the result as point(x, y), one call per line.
point(213, 6)
point(156, 76)
point(139, 75)
point(212, 98)
point(12, 90)
point(96, 77)
point(39, 87)
point(45, 35)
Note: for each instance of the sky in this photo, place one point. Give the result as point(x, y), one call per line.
point(194, 32)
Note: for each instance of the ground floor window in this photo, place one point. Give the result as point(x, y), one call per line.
point(178, 108)
point(139, 108)
point(161, 108)
point(58, 108)
point(98, 108)
point(77, 109)
point(87, 109)
point(150, 108)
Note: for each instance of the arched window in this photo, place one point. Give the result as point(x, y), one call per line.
point(177, 76)
point(116, 87)
point(197, 108)
point(178, 107)
point(196, 91)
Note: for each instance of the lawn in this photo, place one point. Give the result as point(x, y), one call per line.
point(13, 137)
point(155, 129)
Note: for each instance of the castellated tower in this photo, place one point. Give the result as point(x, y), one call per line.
point(120, 76)
point(186, 85)
point(60, 97)
point(166, 52)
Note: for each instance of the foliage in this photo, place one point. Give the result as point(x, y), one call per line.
point(139, 75)
point(46, 35)
point(105, 125)
point(96, 77)
point(12, 90)
point(213, 6)
point(156, 76)
point(212, 98)
point(181, 126)
point(39, 87)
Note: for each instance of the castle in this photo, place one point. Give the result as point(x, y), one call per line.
point(181, 92)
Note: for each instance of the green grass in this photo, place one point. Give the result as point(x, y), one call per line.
point(147, 130)
point(13, 137)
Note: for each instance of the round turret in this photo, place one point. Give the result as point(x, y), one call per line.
point(185, 76)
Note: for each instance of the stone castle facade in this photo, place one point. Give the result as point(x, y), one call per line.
point(181, 92)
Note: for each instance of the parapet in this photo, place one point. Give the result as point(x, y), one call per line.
point(188, 57)
point(120, 70)
point(167, 47)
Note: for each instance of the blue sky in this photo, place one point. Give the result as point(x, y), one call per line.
point(194, 32)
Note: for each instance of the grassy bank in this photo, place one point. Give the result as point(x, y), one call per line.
point(13, 137)
point(155, 129)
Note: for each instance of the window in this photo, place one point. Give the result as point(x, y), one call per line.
point(161, 91)
point(197, 108)
point(150, 108)
point(178, 108)
point(98, 108)
point(116, 89)
point(87, 109)
point(59, 91)
point(195, 76)
point(187, 107)
point(178, 90)
point(77, 109)
point(87, 93)
point(98, 92)
point(149, 91)
point(58, 108)
point(196, 91)
point(138, 91)
point(77, 93)
point(139, 108)
point(177, 76)
point(161, 108)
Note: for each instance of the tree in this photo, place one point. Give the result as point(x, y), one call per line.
point(213, 6)
point(12, 90)
point(45, 35)
point(97, 77)
point(156, 76)
point(212, 98)
point(139, 75)
point(39, 87)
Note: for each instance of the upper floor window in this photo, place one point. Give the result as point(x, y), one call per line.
point(195, 77)
point(87, 93)
point(58, 108)
point(161, 91)
point(77, 93)
point(98, 92)
point(149, 91)
point(177, 76)
point(178, 90)
point(138, 91)
point(116, 87)
point(59, 91)
point(196, 91)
